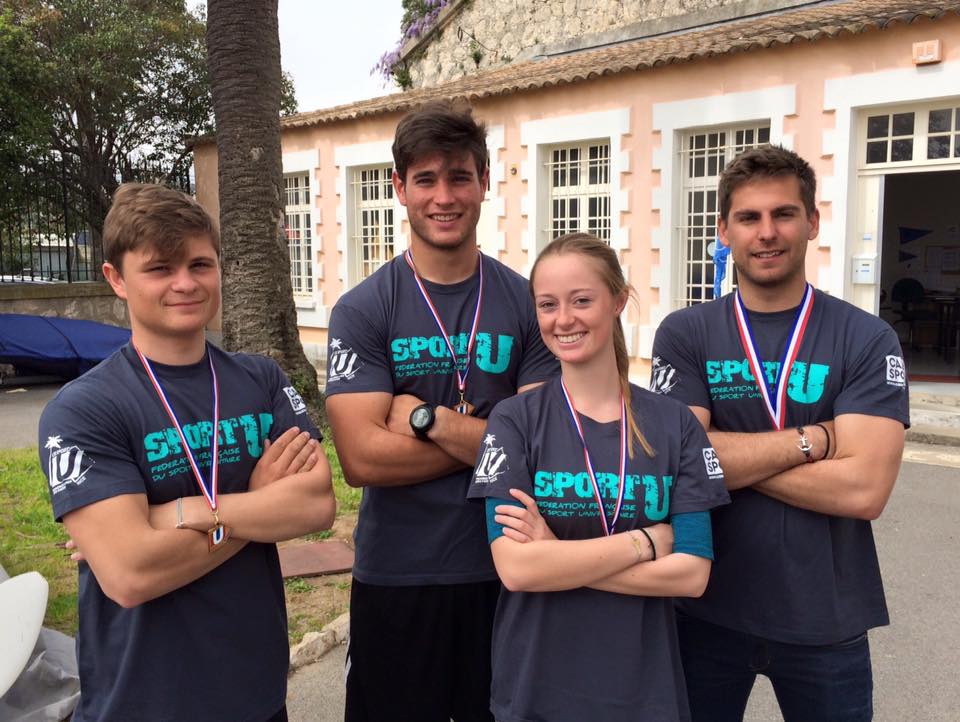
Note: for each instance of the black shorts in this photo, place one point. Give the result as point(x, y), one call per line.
point(420, 654)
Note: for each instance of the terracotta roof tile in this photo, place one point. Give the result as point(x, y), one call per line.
point(809, 23)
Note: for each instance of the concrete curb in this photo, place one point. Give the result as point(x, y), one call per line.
point(316, 644)
point(936, 435)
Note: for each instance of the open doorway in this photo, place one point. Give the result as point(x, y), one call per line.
point(920, 270)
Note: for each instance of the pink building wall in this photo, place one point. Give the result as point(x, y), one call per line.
point(804, 65)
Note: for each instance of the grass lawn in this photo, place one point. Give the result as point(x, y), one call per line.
point(29, 536)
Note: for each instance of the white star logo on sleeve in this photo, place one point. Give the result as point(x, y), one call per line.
point(53, 442)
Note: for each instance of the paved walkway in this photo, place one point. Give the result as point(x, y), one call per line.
point(914, 659)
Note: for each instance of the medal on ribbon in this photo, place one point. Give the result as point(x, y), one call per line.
point(775, 395)
point(462, 406)
point(218, 534)
point(608, 525)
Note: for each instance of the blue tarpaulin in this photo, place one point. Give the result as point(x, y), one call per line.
point(63, 347)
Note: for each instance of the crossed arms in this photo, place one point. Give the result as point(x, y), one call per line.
point(854, 481)
point(377, 446)
point(137, 553)
point(529, 558)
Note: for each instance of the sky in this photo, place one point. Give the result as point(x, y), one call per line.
point(329, 47)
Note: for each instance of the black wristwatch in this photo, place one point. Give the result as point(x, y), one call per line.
point(421, 420)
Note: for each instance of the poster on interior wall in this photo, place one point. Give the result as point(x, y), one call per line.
point(909, 235)
point(950, 260)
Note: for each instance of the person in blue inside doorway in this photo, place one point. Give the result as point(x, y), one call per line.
point(805, 400)
point(583, 478)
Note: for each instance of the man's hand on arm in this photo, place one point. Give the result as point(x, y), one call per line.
point(459, 435)
point(290, 494)
point(373, 453)
point(134, 562)
point(857, 481)
point(749, 457)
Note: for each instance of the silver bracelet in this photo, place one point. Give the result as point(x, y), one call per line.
point(180, 523)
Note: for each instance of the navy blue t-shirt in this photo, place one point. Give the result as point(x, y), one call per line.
point(384, 338)
point(216, 648)
point(586, 654)
point(781, 572)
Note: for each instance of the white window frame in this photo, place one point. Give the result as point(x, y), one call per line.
point(714, 157)
point(772, 104)
point(299, 231)
point(539, 136)
point(918, 138)
point(384, 204)
point(348, 159)
point(849, 98)
point(582, 192)
point(311, 312)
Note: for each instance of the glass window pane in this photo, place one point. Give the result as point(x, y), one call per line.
point(956, 146)
point(956, 119)
point(938, 146)
point(903, 124)
point(877, 152)
point(902, 150)
point(939, 121)
point(877, 126)
point(763, 135)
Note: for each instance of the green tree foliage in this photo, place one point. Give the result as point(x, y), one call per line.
point(115, 85)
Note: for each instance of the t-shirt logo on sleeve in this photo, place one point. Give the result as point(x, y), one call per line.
point(492, 463)
point(296, 400)
point(896, 371)
point(342, 363)
point(712, 463)
point(67, 465)
point(663, 377)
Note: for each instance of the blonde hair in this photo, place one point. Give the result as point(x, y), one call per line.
point(608, 266)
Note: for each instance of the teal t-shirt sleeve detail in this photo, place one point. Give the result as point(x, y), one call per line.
point(495, 530)
point(692, 534)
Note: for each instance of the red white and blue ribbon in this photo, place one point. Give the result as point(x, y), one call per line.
point(210, 494)
point(775, 398)
point(608, 525)
point(461, 378)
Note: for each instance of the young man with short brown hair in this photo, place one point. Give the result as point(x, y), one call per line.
point(805, 401)
point(175, 466)
point(419, 354)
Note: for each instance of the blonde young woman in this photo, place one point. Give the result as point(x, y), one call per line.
point(585, 627)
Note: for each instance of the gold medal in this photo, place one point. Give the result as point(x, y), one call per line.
point(463, 406)
point(216, 537)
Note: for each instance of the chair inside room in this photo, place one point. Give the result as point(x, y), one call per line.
point(908, 299)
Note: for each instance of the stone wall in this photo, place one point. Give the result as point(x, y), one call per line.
point(88, 301)
point(476, 35)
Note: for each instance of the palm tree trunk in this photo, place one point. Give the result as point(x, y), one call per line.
point(243, 48)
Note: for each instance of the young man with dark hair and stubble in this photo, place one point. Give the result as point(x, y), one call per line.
point(805, 400)
point(420, 353)
point(175, 466)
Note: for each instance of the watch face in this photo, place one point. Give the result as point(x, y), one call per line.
point(420, 418)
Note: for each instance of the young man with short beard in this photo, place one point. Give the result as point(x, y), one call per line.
point(804, 397)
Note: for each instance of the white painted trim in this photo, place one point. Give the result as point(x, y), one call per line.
point(845, 96)
point(493, 245)
point(536, 134)
point(670, 120)
point(308, 161)
point(347, 157)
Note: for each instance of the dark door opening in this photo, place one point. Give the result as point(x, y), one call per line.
point(920, 270)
